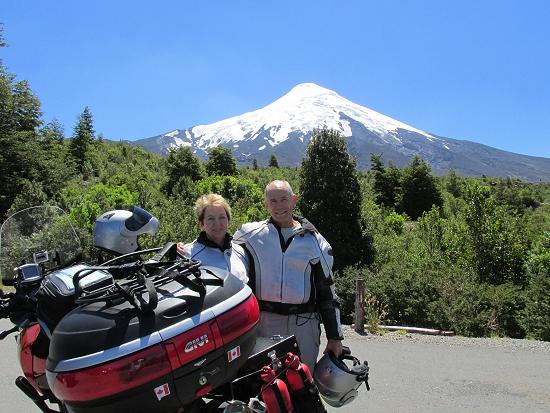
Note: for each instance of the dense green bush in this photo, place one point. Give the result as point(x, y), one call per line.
point(345, 281)
point(497, 243)
point(86, 204)
point(244, 196)
point(177, 222)
point(395, 222)
point(422, 279)
point(536, 315)
point(535, 318)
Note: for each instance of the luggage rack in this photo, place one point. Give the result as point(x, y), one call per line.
point(142, 278)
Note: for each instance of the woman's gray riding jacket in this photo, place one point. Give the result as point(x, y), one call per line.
point(230, 257)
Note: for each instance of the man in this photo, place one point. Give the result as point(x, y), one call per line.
point(291, 275)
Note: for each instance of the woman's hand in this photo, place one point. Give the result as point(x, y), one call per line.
point(180, 247)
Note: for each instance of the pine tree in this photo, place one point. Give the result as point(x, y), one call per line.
point(454, 185)
point(31, 194)
point(331, 197)
point(386, 182)
point(254, 164)
point(56, 171)
point(221, 162)
point(273, 163)
point(420, 191)
point(19, 120)
point(182, 167)
point(54, 131)
point(83, 137)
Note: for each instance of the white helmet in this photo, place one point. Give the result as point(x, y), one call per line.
point(117, 231)
point(337, 383)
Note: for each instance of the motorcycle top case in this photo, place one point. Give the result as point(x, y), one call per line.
point(115, 358)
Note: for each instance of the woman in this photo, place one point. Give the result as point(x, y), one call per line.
point(213, 246)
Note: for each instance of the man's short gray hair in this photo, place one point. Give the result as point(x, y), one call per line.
point(278, 183)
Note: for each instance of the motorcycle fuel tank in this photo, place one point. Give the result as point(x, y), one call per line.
point(112, 357)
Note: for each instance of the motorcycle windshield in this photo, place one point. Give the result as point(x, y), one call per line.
point(42, 235)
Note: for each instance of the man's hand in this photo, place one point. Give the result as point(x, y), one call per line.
point(335, 346)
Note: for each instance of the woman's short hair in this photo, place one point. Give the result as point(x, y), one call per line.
point(205, 201)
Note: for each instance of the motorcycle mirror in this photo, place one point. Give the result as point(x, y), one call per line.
point(41, 256)
point(8, 281)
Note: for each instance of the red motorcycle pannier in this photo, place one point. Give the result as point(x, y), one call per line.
point(116, 358)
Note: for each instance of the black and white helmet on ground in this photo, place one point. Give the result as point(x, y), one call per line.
point(117, 231)
point(337, 382)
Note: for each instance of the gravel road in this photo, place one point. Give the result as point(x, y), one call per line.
point(409, 373)
point(420, 373)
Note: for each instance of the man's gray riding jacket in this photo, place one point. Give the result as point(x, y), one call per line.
point(292, 277)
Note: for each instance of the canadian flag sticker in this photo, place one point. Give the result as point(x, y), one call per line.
point(234, 353)
point(162, 391)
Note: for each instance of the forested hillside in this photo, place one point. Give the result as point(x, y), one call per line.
point(465, 254)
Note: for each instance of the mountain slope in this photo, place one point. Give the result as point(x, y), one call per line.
point(285, 127)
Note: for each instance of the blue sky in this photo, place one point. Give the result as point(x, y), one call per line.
point(475, 70)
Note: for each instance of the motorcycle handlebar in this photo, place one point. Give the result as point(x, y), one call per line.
point(4, 310)
point(5, 300)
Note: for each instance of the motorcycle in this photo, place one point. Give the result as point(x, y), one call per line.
point(146, 331)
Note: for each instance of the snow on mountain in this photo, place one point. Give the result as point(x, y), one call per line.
point(285, 127)
point(305, 108)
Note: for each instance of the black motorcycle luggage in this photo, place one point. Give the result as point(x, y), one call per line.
point(116, 358)
point(55, 297)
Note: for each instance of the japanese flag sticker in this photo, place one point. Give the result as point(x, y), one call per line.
point(234, 353)
point(162, 391)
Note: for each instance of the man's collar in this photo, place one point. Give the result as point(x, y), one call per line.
point(306, 225)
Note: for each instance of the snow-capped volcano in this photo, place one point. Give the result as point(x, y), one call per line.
point(285, 127)
point(305, 108)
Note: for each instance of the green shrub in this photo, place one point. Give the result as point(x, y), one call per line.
point(496, 239)
point(535, 318)
point(395, 222)
point(235, 190)
point(87, 203)
point(345, 281)
point(177, 223)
